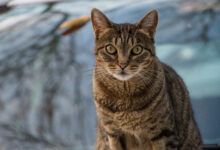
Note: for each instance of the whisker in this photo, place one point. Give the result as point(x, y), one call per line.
point(152, 75)
point(159, 71)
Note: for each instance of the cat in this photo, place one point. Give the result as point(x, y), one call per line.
point(141, 103)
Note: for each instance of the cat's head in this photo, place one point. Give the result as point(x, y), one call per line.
point(124, 50)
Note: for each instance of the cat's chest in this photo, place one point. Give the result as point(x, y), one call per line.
point(129, 122)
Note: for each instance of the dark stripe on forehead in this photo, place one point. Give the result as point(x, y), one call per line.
point(119, 34)
point(128, 37)
point(143, 37)
point(108, 36)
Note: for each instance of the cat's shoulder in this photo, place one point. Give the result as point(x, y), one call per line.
point(170, 73)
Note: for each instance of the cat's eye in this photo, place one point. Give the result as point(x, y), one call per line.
point(111, 50)
point(136, 50)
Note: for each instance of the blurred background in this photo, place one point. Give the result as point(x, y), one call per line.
point(46, 98)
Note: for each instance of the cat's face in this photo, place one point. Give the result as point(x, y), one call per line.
point(124, 50)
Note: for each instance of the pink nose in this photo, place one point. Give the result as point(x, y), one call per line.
point(122, 65)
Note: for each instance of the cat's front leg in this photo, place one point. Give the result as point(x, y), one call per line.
point(109, 137)
point(114, 143)
point(165, 143)
point(166, 139)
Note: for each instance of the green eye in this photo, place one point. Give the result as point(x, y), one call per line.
point(110, 49)
point(137, 50)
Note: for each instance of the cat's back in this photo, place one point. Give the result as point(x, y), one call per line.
point(174, 81)
point(179, 97)
point(177, 90)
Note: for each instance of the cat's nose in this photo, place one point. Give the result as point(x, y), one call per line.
point(123, 65)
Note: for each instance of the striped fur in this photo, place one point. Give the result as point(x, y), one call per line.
point(150, 108)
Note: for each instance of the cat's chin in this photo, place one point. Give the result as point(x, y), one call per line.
point(122, 77)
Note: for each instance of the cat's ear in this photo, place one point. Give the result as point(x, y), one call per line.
point(99, 21)
point(149, 22)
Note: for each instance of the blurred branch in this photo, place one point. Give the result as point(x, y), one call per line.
point(32, 2)
point(22, 135)
point(68, 27)
point(189, 6)
point(4, 8)
point(7, 5)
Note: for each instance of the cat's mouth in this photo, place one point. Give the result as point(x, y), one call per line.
point(122, 75)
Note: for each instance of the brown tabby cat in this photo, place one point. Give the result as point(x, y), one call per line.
point(141, 103)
